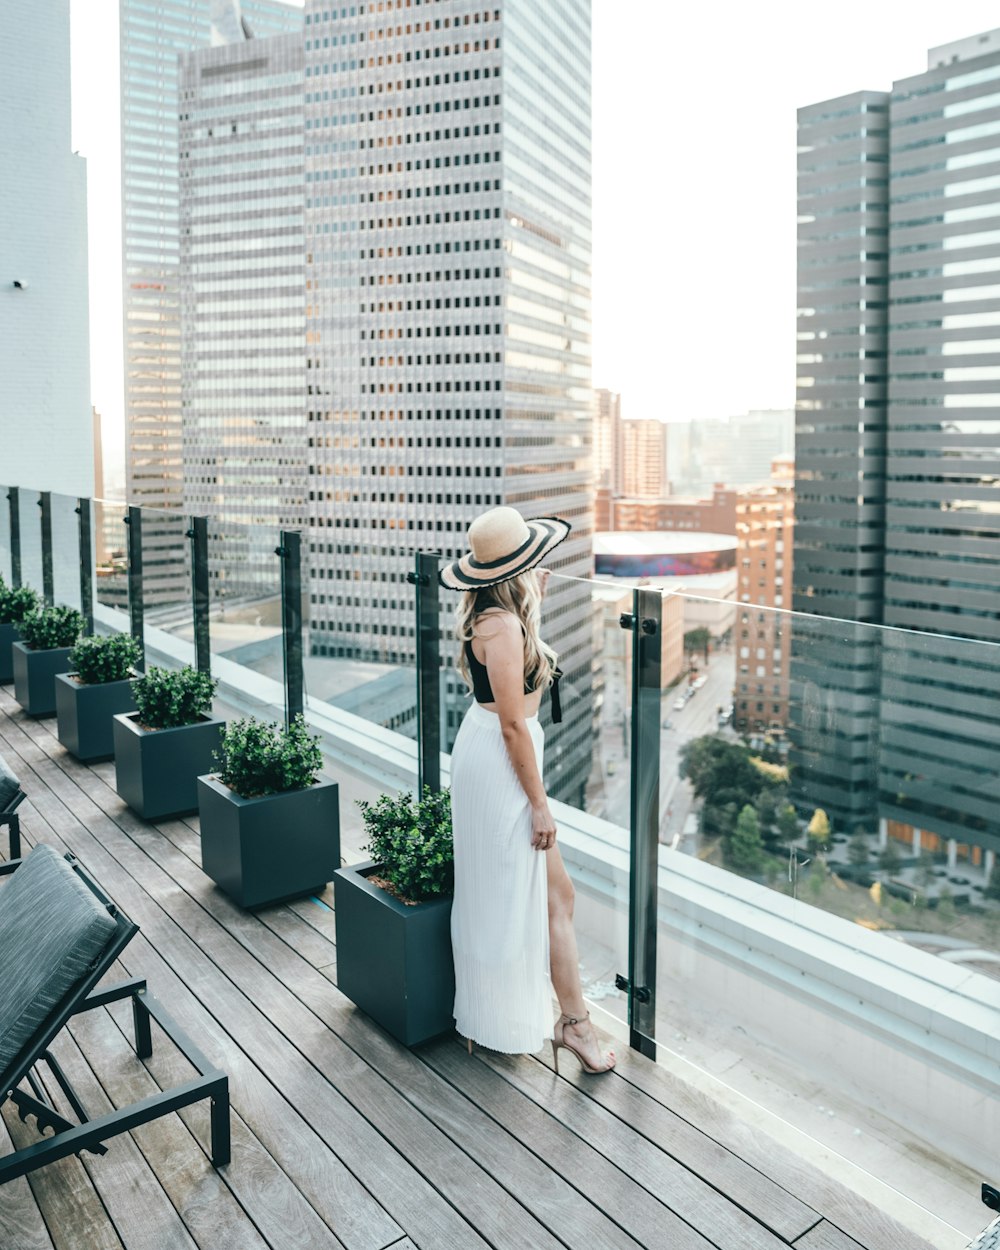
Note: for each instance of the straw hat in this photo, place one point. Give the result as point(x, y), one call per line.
point(503, 545)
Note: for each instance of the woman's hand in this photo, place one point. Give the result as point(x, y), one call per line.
point(543, 828)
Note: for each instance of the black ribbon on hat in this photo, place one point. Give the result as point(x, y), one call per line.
point(554, 694)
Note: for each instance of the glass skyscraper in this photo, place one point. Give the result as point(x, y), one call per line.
point(448, 308)
point(153, 35)
point(897, 469)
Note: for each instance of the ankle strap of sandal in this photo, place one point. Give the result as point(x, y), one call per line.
point(574, 1019)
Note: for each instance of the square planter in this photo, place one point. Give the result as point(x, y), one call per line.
point(85, 714)
point(35, 676)
point(8, 634)
point(393, 960)
point(157, 770)
point(268, 849)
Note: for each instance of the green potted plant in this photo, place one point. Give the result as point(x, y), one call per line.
point(167, 743)
point(47, 637)
point(393, 917)
point(97, 688)
point(270, 826)
point(15, 604)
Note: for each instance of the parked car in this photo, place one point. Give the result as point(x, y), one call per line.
point(680, 704)
point(699, 682)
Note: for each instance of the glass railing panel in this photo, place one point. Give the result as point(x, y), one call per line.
point(166, 586)
point(65, 550)
point(30, 514)
point(359, 643)
point(109, 544)
point(587, 767)
point(828, 883)
point(244, 578)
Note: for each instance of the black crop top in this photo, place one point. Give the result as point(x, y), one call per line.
point(483, 691)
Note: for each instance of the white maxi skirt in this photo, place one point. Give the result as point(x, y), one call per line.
point(500, 916)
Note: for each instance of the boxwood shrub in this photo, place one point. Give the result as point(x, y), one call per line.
point(47, 628)
point(99, 660)
point(15, 603)
point(260, 757)
point(411, 843)
point(168, 698)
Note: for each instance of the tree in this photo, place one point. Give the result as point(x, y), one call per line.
point(698, 640)
point(788, 823)
point(818, 830)
point(857, 849)
point(889, 859)
point(746, 850)
point(946, 905)
point(993, 885)
point(724, 776)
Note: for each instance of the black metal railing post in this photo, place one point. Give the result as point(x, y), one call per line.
point(48, 581)
point(645, 623)
point(83, 511)
point(290, 552)
point(198, 534)
point(14, 500)
point(427, 607)
point(136, 612)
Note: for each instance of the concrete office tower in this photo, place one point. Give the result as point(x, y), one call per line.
point(765, 526)
point(940, 712)
point(448, 242)
point(642, 470)
point(840, 451)
point(45, 409)
point(242, 283)
point(153, 34)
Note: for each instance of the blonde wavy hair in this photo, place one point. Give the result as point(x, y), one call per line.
point(521, 596)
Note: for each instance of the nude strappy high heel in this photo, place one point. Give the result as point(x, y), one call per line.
point(558, 1041)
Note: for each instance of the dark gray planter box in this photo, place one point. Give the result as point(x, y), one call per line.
point(394, 961)
point(157, 770)
point(86, 712)
point(271, 848)
point(35, 676)
point(8, 634)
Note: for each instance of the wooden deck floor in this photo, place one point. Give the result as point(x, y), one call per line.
point(343, 1138)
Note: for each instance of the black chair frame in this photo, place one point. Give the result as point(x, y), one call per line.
point(10, 818)
point(89, 1134)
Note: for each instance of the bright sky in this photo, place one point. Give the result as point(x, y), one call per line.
point(694, 182)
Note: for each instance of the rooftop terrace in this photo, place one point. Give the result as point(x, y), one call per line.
point(341, 1136)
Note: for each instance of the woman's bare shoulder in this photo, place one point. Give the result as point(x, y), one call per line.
point(496, 623)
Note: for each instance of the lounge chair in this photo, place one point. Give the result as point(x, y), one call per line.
point(11, 797)
point(59, 935)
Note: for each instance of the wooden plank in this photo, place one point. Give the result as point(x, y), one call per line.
point(214, 1218)
point(873, 1228)
point(580, 1163)
point(141, 1212)
point(745, 1186)
point(474, 1133)
point(329, 1187)
point(825, 1237)
point(24, 1212)
point(398, 1185)
point(720, 1221)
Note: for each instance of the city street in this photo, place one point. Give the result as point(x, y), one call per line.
point(698, 717)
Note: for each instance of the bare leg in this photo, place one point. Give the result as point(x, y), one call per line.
point(564, 962)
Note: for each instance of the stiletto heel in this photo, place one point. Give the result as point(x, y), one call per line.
point(468, 1041)
point(559, 1040)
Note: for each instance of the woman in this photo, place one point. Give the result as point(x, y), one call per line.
point(512, 918)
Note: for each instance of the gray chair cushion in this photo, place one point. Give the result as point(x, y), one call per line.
point(9, 784)
point(52, 932)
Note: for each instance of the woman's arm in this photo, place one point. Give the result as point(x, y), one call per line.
point(503, 644)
